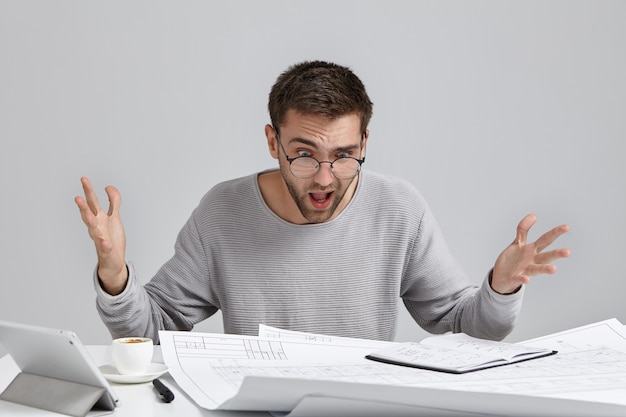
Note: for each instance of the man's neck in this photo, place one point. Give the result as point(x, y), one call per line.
point(277, 197)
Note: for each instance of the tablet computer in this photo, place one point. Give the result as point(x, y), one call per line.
point(57, 354)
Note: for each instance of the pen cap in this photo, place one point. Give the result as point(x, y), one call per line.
point(165, 393)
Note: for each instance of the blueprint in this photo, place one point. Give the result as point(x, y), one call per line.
point(244, 372)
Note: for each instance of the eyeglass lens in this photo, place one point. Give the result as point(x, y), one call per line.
point(342, 168)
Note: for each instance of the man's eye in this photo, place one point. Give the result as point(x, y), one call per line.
point(304, 153)
point(343, 155)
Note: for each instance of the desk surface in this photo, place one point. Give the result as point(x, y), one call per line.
point(142, 400)
point(136, 399)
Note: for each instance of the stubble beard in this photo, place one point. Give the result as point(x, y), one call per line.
point(302, 198)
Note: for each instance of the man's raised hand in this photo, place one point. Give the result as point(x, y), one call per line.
point(521, 260)
point(107, 232)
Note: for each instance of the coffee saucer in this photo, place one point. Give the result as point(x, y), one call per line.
point(155, 370)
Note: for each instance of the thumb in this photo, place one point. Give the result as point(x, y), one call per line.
point(523, 227)
point(115, 200)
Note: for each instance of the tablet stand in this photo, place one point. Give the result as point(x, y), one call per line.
point(51, 394)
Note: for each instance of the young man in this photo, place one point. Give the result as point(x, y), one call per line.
point(318, 245)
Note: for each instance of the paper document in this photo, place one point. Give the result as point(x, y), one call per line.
point(276, 370)
point(211, 367)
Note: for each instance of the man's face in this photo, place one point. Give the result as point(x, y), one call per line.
point(322, 196)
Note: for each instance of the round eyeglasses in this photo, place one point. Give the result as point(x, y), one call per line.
point(303, 167)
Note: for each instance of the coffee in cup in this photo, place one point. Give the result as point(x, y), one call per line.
point(132, 355)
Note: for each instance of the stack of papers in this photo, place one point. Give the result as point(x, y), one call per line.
point(279, 371)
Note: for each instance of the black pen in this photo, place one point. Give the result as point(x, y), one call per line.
point(166, 395)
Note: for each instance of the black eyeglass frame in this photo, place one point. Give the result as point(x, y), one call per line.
point(319, 163)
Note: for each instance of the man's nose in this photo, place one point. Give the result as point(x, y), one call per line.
point(324, 175)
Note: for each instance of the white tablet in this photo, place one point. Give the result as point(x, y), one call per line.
point(54, 353)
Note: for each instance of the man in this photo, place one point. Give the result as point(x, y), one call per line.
point(318, 245)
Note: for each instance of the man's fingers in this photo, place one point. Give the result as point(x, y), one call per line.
point(551, 256)
point(547, 238)
point(521, 280)
point(523, 227)
point(85, 211)
point(91, 203)
point(539, 269)
point(115, 200)
point(90, 196)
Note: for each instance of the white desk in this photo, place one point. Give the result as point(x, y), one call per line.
point(141, 400)
point(136, 399)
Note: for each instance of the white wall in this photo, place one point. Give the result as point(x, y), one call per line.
point(492, 109)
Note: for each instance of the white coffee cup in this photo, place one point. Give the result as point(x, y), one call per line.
point(132, 355)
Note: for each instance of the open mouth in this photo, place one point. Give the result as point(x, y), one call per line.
point(320, 200)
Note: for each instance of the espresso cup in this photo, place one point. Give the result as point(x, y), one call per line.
point(132, 355)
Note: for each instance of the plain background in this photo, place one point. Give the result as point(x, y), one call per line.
point(493, 109)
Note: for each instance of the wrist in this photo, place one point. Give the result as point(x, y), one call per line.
point(501, 292)
point(113, 283)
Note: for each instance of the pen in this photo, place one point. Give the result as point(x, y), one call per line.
point(164, 392)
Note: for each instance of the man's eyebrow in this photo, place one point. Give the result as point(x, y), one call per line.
point(303, 141)
point(313, 144)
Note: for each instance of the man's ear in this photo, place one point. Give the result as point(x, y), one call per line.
point(272, 141)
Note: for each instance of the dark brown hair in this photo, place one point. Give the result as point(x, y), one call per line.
point(319, 88)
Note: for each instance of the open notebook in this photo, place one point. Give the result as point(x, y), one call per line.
point(457, 353)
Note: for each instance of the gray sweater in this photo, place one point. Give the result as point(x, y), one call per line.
point(343, 277)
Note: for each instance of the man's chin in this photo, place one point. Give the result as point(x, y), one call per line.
point(318, 216)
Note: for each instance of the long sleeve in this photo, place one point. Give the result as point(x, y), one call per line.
point(342, 277)
point(438, 295)
point(176, 298)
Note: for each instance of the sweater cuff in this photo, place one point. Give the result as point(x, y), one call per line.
point(510, 298)
point(107, 298)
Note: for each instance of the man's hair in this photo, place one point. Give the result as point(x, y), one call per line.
point(319, 88)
